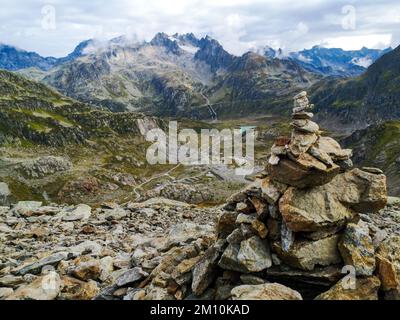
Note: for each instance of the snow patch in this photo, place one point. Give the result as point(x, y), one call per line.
point(364, 62)
point(188, 48)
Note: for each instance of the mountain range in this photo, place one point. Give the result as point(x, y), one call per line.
point(184, 76)
point(330, 61)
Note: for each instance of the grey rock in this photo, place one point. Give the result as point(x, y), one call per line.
point(80, 212)
point(35, 267)
point(229, 259)
point(254, 254)
point(131, 276)
point(205, 270)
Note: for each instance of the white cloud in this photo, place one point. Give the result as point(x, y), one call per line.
point(238, 24)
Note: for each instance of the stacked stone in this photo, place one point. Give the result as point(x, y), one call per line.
point(301, 221)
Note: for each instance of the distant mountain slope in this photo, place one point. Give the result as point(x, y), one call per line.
point(356, 103)
point(258, 85)
point(31, 112)
point(330, 61)
point(379, 146)
point(13, 59)
point(338, 62)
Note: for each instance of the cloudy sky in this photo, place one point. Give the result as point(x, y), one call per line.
point(54, 27)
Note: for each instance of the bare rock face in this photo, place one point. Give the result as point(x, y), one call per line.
point(305, 255)
point(44, 166)
point(267, 291)
point(364, 289)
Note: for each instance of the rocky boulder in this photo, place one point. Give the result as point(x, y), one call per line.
point(306, 255)
point(267, 291)
point(363, 289)
point(357, 249)
point(335, 203)
point(388, 263)
point(305, 171)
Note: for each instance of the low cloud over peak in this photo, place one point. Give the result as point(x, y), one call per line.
point(54, 27)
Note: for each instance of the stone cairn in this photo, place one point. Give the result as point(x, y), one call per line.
point(298, 224)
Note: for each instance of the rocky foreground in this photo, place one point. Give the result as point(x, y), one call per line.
point(311, 227)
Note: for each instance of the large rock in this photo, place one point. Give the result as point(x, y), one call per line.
point(364, 289)
point(46, 287)
point(305, 171)
point(388, 263)
point(316, 209)
point(362, 191)
point(335, 203)
point(35, 267)
point(300, 142)
point(267, 291)
point(205, 270)
point(306, 255)
point(254, 254)
point(187, 232)
point(331, 147)
point(357, 249)
point(80, 212)
point(27, 208)
point(229, 259)
point(74, 289)
point(131, 276)
point(272, 190)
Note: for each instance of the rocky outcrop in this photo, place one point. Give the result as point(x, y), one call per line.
point(43, 166)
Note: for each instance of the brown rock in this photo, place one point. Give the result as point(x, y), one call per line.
point(226, 223)
point(388, 263)
point(74, 289)
point(46, 287)
point(301, 142)
point(331, 147)
point(87, 269)
point(313, 209)
point(365, 289)
point(335, 203)
point(205, 270)
point(272, 190)
point(306, 171)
